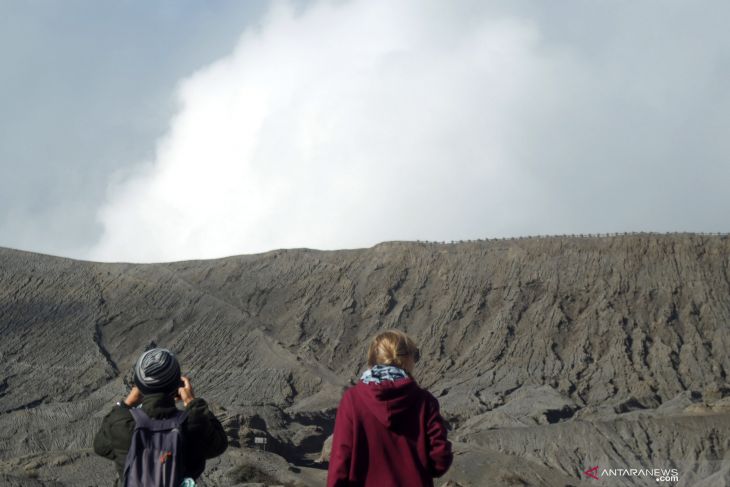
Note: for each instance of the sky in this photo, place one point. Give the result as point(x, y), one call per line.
point(173, 130)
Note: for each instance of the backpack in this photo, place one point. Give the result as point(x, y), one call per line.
point(155, 454)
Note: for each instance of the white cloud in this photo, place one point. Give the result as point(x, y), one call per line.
point(353, 123)
point(342, 126)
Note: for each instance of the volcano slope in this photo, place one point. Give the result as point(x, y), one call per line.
point(549, 356)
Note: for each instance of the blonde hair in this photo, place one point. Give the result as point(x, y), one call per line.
point(392, 347)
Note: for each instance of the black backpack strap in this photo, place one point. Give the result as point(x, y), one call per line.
point(141, 420)
point(181, 417)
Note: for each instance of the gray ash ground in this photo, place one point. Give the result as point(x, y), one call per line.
point(549, 356)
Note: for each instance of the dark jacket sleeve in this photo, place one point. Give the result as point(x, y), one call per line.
point(205, 429)
point(102, 440)
point(439, 451)
point(338, 474)
point(114, 436)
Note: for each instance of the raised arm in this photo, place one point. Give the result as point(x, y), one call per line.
point(202, 424)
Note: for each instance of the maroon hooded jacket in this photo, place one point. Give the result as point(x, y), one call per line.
point(387, 435)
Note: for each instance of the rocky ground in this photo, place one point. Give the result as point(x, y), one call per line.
point(549, 356)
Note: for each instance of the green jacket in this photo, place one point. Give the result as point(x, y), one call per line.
point(203, 435)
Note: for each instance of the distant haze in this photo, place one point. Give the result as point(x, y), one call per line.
point(343, 124)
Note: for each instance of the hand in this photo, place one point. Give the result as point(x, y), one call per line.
point(185, 393)
point(134, 397)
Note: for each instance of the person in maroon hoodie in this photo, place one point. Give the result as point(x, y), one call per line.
point(388, 430)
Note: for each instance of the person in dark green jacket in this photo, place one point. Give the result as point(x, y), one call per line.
point(158, 385)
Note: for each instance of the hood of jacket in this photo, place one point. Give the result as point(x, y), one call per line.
point(389, 400)
point(159, 405)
